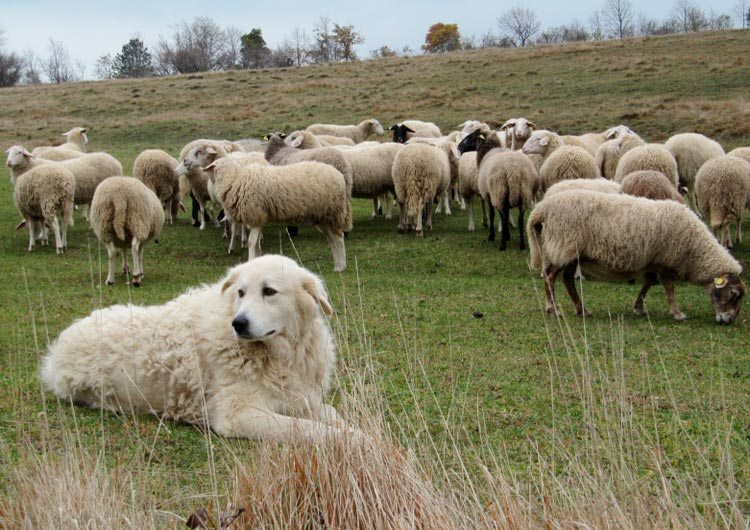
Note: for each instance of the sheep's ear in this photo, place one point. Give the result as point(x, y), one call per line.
point(210, 167)
point(296, 142)
point(531, 124)
point(267, 137)
point(683, 190)
point(721, 282)
point(314, 287)
point(21, 224)
point(211, 151)
point(544, 141)
point(230, 280)
point(282, 135)
point(25, 153)
point(83, 130)
point(509, 123)
point(454, 150)
point(67, 133)
point(407, 129)
point(392, 128)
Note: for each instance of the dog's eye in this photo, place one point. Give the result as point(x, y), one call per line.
point(240, 293)
point(267, 291)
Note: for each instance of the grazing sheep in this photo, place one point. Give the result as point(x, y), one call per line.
point(601, 185)
point(561, 162)
point(89, 171)
point(372, 172)
point(421, 173)
point(741, 152)
point(125, 213)
point(407, 129)
point(357, 133)
point(251, 144)
point(652, 157)
point(468, 186)
point(517, 131)
point(57, 154)
point(691, 151)
point(302, 193)
point(592, 141)
point(609, 153)
point(722, 188)
point(41, 195)
point(156, 169)
point(198, 180)
point(650, 185)
point(279, 153)
point(616, 236)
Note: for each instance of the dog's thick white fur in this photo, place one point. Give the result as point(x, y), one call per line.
point(250, 356)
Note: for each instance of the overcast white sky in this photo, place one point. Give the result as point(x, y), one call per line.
point(91, 28)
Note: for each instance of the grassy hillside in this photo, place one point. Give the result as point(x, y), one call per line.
point(513, 382)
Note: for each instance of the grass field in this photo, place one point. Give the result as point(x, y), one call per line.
point(537, 394)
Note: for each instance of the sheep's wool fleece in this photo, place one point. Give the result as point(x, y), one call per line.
point(620, 236)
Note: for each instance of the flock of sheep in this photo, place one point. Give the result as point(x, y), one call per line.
point(609, 203)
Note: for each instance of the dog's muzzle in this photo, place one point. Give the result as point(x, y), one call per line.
point(241, 326)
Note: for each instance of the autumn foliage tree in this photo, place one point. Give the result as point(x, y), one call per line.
point(442, 38)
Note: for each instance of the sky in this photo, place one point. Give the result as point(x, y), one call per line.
point(90, 29)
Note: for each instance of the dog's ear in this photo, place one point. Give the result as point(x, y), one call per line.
point(230, 280)
point(314, 286)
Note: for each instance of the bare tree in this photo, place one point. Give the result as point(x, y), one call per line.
point(741, 11)
point(719, 20)
point(596, 25)
point(322, 49)
point(232, 56)
point(194, 47)
point(689, 16)
point(521, 23)
point(104, 67)
point(57, 66)
point(11, 65)
point(32, 68)
point(300, 42)
point(618, 17)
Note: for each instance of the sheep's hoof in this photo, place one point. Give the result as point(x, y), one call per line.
point(420, 233)
point(503, 245)
point(59, 251)
point(581, 312)
point(31, 248)
point(553, 311)
point(196, 224)
point(484, 224)
point(202, 227)
point(471, 229)
point(638, 310)
point(400, 231)
point(491, 237)
point(679, 316)
point(137, 280)
point(388, 217)
point(110, 282)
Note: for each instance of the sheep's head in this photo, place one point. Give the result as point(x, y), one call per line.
point(296, 139)
point(400, 132)
point(726, 294)
point(617, 132)
point(197, 158)
point(17, 156)
point(77, 135)
point(520, 128)
point(537, 144)
point(469, 126)
point(374, 127)
point(469, 142)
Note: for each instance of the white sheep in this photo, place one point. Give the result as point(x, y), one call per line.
point(89, 171)
point(592, 141)
point(41, 195)
point(468, 186)
point(372, 172)
point(517, 131)
point(651, 185)
point(156, 169)
point(303, 193)
point(561, 162)
point(741, 152)
point(609, 153)
point(407, 129)
point(125, 213)
point(654, 157)
point(198, 179)
point(691, 151)
point(616, 236)
point(58, 154)
point(358, 133)
point(601, 185)
point(722, 188)
point(421, 173)
point(75, 140)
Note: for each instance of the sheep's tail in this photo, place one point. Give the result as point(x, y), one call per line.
point(534, 236)
point(348, 225)
point(413, 206)
point(119, 219)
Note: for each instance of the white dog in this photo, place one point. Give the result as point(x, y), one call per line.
point(250, 356)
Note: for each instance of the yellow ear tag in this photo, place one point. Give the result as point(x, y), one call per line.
point(720, 282)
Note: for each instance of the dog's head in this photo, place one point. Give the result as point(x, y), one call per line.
point(272, 296)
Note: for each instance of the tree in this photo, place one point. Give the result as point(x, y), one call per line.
point(103, 67)
point(282, 55)
point(719, 20)
point(300, 43)
point(194, 47)
point(442, 38)
point(57, 66)
point(618, 17)
point(322, 49)
point(689, 16)
point(741, 11)
point(521, 23)
point(344, 40)
point(383, 52)
point(32, 74)
point(596, 24)
point(255, 53)
point(232, 57)
point(134, 60)
point(11, 66)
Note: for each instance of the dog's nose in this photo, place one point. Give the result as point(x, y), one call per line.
point(240, 325)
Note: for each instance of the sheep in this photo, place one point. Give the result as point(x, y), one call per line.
point(609, 153)
point(601, 185)
point(75, 140)
point(156, 169)
point(741, 152)
point(358, 133)
point(306, 192)
point(468, 186)
point(722, 188)
point(251, 144)
point(691, 151)
point(125, 213)
point(198, 180)
point(592, 141)
point(616, 236)
point(41, 195)
point(421, 173)
point(311, 141)
point(279, 153)
point(653, 157)
point(452, 137)
point(651, 185)
point(89, 171)
point(517, 131)
point(407, 129)
point(561, 162)
point(57, 154)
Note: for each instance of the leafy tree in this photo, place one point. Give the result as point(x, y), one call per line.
point(344, 39)
point(521, 23)
point(254, 52)
point(134, 60)
point(442, 38)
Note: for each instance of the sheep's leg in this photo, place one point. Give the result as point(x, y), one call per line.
point(570, 285)
point(522, 243)
point(726, 236)
point(491, 237)
point(649, 280)
point(336, 242)
point(668, 283)
point(739, 229)
point(31, 225)
point(505, 231)
point(202, 215)
point(389, 201)
point(513, 223)
point(125, 268)
point(140, 259)
point(374, 208)
point(470, 206)
point(419, 222)
point(253, 242)
point(550, 275)
point(439, 207)
point(233, 230)
point(484, 211)
point(111, 257)
point(85, 212)
point(58, 236)
point(64, 234)
point(447, 201)
point(402, 218)
point(137, 272)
